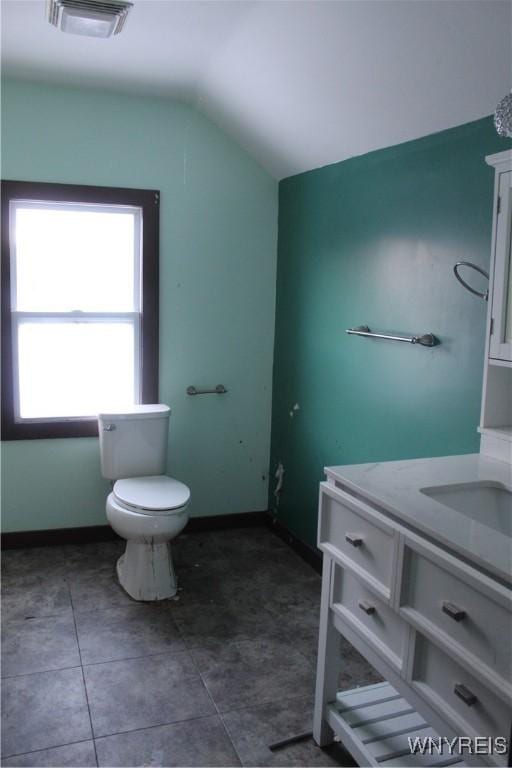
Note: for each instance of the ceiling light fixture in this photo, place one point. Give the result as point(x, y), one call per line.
point(95, 18)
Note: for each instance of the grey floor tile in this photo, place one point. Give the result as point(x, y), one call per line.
point(137, 693)
point(254, 578)
point(252, 730)
point(225, 622)
point(80, 755)
point(296, 611)
point(305, 640)
point(34, 596)
point(43, 710)
point(204, 621)
point(31, 560)
point(94, 555)
point(256, 569)
point(198, 588)
point(272, 578)
point(123, 633)
point(246, 540)
point(93, 590)
point(191, 551)
point(61, 560)
point(199, 742)
point(254, 672)
point(296, 591)
point(39, 645)
point(355, 670)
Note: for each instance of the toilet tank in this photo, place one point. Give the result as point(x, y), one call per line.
point(134, 443)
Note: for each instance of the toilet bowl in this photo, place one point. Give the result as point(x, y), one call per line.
point(148, 512)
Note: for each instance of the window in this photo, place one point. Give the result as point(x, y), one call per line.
point(79, 306)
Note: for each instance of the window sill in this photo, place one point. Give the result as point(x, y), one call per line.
point(40, 430)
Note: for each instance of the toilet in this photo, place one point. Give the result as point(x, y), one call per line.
point(145, 507)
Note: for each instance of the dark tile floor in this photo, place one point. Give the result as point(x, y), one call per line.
point(210, 678)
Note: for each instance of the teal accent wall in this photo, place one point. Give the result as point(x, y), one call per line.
point(373, 240)
point(218, 232)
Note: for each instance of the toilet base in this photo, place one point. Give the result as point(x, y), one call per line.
point(145, 571)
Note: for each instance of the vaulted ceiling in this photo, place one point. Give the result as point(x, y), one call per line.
point(298, 83)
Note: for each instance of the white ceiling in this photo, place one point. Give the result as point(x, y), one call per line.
point(298, 83)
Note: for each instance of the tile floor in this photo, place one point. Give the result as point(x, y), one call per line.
point(210, 678)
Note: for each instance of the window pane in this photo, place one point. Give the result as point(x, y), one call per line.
point(74, 369)
point(75, 259)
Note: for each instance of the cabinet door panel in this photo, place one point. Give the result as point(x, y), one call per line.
point(472, 708)
point(501, 339)
point(377, 622)
point(460, 609)
point(357, 537)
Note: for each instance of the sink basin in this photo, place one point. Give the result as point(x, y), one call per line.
point(487, 502)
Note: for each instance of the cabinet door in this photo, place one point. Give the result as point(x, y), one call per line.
point(501, 338)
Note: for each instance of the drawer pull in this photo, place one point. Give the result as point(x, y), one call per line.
point(354, 539)
point(367, 607)
point(465, 694)
point(453, 611)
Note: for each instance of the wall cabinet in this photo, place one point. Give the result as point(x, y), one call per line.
point(496, 416)
point(500, 346)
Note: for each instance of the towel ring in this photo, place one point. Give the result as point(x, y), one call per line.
point(483, 294)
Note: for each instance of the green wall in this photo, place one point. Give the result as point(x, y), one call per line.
point(373, 240)
point(217, 294)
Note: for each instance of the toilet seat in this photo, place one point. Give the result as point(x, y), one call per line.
point(151, 495)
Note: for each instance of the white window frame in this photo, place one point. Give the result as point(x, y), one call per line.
point(18, 317)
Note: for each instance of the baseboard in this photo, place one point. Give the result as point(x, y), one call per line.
point(218, 522)
point(91, 533)
point(311, 555)
point(55, 536)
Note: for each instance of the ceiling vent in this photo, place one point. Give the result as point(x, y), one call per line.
point(94, 18)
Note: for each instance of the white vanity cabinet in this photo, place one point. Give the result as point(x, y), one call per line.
point(436, 628)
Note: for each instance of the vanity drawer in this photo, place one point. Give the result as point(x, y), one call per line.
point(458, 605)
point(368, 615)
point(357, 537)
point(469, 706)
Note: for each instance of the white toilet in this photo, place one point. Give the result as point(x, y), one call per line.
point(146, 507)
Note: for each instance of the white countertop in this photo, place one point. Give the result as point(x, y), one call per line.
point(395, 487)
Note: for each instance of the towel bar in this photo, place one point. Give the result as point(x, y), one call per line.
point(426, 339)
point(220, 389)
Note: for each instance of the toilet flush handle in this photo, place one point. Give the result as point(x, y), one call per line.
point(109, 427)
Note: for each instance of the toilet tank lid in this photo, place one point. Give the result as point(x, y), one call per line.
point(154, 492)
point(153, 411)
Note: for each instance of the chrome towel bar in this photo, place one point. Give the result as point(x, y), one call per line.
point(426, 339)
point(220, 389)
point(483, 294)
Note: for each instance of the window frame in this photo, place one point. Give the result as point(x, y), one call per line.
point(41, 192)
